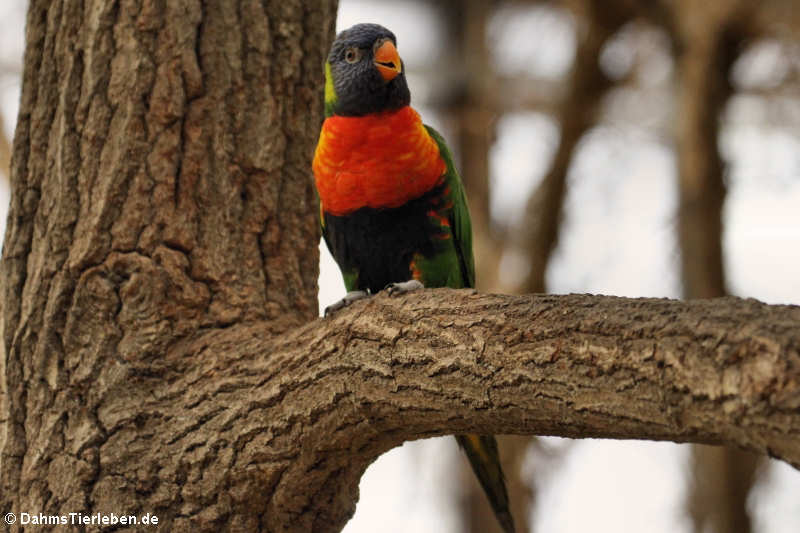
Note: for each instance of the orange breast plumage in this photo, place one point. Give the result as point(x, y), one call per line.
point(379, 161)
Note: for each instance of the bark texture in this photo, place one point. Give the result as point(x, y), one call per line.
point(284, 426)
point(160, 190)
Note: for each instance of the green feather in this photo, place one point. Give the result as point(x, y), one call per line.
point(459, 217)
point(330, 91)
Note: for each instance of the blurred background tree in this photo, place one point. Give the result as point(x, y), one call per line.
point(630, 147)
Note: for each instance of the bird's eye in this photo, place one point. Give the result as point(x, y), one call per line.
point(351, 55)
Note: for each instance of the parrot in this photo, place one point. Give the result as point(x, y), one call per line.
point(393, 210)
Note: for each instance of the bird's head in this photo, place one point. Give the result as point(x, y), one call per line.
point(364, 73)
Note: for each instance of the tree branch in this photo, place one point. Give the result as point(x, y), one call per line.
point(297, 418)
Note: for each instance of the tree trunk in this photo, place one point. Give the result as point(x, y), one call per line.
point(5, 150)
point(576, 113)
point(160, 191)
point(707, 47)
point(721, 481)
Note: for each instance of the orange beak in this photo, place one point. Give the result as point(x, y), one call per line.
point(387, 61)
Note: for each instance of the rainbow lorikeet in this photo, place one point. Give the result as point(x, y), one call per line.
point(392, 206)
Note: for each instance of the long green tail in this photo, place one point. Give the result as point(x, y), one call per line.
point(482, 453)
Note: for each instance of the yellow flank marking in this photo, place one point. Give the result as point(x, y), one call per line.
point(330, 92)
point(476, 444)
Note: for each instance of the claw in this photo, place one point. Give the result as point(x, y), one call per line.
point(350, 297)
point(403, 287)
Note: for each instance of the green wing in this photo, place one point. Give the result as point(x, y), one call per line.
point(459, 216)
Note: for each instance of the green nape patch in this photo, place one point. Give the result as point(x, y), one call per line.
point(330, 91)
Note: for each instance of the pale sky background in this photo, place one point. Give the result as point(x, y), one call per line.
point(618, 239)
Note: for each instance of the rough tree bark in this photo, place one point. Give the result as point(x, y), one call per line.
point(160, 190)
point(159, 288)
point(254, 430)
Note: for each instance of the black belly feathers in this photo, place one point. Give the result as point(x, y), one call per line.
point(378, 245)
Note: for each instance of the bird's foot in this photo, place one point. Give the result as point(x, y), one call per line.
point(350, 297)
point(403, 287)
